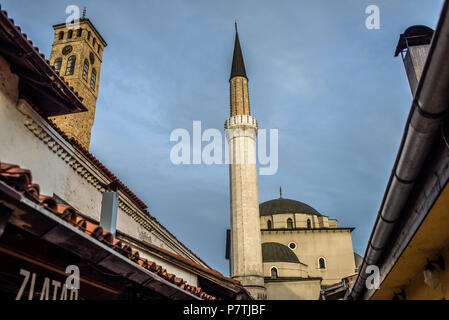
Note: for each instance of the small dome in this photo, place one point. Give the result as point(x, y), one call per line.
point(276, 252)
point(281, 205)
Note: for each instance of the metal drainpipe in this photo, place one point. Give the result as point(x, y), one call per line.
point(429, 106)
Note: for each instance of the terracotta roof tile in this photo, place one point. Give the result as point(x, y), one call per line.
point(97, 163)
point(191, 262)
point(21, 180)
point(76, 144)
point(36, 49)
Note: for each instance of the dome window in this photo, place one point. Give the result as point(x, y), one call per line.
point(289, 223)
point(309, 224)
point(274, 273)
point(269, 226)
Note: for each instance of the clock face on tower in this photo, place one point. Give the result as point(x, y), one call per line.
point(92, 58)
point(66, 50)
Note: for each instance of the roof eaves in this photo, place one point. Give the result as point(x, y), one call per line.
point(40, 62)
point(21, 180)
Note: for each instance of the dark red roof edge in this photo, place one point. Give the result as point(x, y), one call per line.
point(21, 180)
point(100, 166)
point(76, 144)
point(76, 99)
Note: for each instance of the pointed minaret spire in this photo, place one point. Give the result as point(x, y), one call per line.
point(84, 12)
point(238, 66)
point(280, 192)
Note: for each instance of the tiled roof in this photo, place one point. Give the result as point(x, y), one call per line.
point(100, 166)
point(21, 180)
point(40, 63)
point(97, 163)
point(215, 272)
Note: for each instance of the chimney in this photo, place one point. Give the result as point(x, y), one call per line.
point(414, 46)
point(109, 207)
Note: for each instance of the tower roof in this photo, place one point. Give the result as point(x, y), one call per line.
point(84, 20)
point(238, 66)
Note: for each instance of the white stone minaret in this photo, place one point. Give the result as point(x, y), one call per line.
point(241, 133)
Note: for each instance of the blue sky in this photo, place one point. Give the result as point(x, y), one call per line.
point(330, 86)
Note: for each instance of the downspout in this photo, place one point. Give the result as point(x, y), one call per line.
point(428, 108)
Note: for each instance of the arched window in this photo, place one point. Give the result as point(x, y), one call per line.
point(269, 224)
point(70, 34)
point(61, 35)
point(93, 78)
point(322, 263)
point(94, 41)
point(70, 66)
point(88, 36)
point(80, 32)
point(85, 69)
point(309, 224)
point(274, 273)
point(58, 63)
point(289, 223)
point(98, 50)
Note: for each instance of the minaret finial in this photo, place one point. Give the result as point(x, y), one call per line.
point(84, 12)
point(280, 192)
point(238, 66)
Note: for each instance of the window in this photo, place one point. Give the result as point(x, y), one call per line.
point(322, 263)
point(70, 66)
point(292, 245)
point(79, 33)
point(94, 41)
point(88, 35)
point(98, 51)
point(61, 35)
point(70, 34)
point(274, 273)
point(85, 69)
point(309, 224)
point(58, 63)
point(289, 223)
point(269, 224)
point(93, 78)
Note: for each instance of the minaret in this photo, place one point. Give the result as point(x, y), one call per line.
point(241, 133)
point(77, 54)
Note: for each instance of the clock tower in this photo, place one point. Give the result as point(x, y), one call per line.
point(77, 53)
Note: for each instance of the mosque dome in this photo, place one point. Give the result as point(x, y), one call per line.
point(276, 252)
point(281, 206)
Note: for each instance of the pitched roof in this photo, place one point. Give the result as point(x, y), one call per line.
point(21, 180)
point(100, 166)
point(66, 101)
point(179, 257)
point(40, 82)
point(238, 66)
